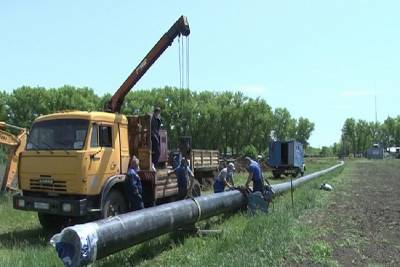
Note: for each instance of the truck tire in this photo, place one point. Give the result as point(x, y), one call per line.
point(196, 189)
point(276, 174)
point(114, 204)
point(52, 221)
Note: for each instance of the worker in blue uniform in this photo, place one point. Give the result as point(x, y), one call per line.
point(255, 175)
point(155, 135)
point(184, 177)
point(134, 186)
point(224, 178)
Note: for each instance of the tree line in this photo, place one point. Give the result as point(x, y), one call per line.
point(227, 121)
point(359, 135)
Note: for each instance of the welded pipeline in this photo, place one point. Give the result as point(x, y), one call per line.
point(82, 244)
point(280, 188)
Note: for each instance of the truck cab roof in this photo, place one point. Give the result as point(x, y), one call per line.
point(88, 115)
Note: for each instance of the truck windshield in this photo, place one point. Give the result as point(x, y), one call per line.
point(62, 134)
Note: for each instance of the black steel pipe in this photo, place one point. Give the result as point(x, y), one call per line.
point(83, 244)
point(283, 187)
point(105, 237)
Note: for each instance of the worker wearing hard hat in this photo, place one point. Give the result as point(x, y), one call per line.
point(255, 175)
point(224, 178)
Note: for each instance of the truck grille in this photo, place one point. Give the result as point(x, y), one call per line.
point(50, 185)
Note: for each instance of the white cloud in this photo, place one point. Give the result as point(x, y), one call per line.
point(356, 93)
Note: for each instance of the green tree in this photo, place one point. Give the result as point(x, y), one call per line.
point(3, 110)
point(303, 131)
point(225, 121)
point(26, 103)
point(349, 135)
point(282, 123)
point(250, 151)
point(72, 98)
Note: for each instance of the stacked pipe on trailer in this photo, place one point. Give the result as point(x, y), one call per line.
point(83, 244)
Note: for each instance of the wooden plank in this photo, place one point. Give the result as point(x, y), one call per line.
point(168, 186)
point(166, 193)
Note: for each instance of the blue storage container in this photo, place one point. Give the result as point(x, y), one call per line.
point(286, 154)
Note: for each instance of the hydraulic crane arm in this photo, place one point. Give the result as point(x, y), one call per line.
point(16, 144)
point(180, 27)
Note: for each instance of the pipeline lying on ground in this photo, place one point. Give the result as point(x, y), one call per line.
point(83, 244)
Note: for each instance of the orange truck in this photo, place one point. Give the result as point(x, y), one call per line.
point(75, 163)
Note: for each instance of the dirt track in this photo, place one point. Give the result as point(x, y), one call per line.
point(364, 216)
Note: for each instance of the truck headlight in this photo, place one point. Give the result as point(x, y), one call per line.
point(21, 203)
point(66, 207)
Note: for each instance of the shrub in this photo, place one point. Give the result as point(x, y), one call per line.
point(250, 151)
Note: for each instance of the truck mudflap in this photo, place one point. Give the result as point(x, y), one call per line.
point(58, 206)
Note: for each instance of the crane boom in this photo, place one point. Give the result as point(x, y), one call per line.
point(16, 144)
point(180, 27)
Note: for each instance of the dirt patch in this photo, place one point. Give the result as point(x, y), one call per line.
point(363, 220)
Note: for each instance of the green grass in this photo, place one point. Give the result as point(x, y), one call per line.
point(246, 240)
point(22, 240)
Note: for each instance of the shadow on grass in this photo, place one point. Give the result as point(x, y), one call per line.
point(25, 238)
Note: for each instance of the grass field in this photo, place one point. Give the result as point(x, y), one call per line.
point(246, 240)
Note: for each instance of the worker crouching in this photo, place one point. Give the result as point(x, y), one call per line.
point(224, 178)
point(255, 175)
point(261, 194)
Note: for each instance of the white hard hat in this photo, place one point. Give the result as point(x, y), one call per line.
point(231, 166)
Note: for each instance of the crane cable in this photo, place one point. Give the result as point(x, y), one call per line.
point(180, 62)
point(183, 54)
point(187, 62)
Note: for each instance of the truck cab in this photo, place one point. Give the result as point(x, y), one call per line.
point(69, 160)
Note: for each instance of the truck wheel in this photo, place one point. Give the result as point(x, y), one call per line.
point(52, 221)
point(276, 174)
point(114, 204)
point(196, 189)
point(294, 174)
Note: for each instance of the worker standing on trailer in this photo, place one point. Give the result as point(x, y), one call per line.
point(155, 135)
point(255, 175)
point(224, 178)
point(134, 186)
point(184, 177)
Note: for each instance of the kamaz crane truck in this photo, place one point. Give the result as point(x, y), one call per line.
point(75, 163)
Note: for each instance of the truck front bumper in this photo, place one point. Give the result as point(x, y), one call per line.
point(59, 206)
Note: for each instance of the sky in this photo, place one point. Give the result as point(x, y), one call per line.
point(323, 60)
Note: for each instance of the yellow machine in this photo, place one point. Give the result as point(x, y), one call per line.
point(75, 162)
point(15, 144)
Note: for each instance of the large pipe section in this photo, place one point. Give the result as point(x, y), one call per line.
point(82, 244)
